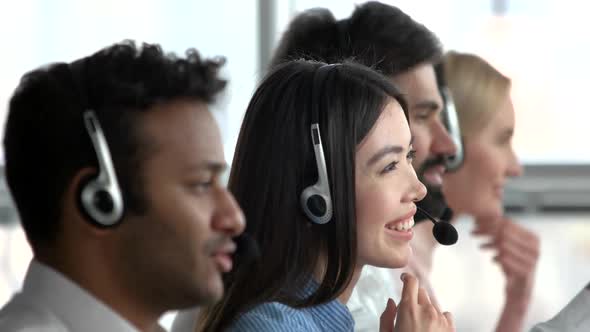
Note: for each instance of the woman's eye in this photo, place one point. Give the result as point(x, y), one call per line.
point(389, 168)
point(411, 155)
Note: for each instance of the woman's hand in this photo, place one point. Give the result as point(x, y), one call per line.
point(415, 312)
point(517, 252)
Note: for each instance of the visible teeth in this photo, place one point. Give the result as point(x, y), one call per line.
point(403, 226)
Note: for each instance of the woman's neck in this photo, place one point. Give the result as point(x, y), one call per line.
point(345, 296)
point(320, 271)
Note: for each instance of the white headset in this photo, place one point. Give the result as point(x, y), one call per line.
point(451, 121)
point(316, 200)
point(100, 196)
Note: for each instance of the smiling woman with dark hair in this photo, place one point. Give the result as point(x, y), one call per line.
point(323, 173)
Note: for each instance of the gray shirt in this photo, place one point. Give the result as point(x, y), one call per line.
point(574, 317)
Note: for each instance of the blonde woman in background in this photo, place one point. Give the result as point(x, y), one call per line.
point(484, 108)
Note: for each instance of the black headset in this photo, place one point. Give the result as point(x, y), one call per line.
point(100, 196)
point(316, 200)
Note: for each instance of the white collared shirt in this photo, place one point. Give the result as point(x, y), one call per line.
point(50, 302)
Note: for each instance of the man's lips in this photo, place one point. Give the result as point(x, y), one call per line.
point(434, 175)
point(222, 256)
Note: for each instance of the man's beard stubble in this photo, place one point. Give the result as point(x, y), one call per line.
point(434, 202)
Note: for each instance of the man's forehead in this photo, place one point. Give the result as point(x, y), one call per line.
point(183, 128)
point(420, 88)
point(421, 77)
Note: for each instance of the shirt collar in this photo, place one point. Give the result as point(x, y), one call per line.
point(76, 308)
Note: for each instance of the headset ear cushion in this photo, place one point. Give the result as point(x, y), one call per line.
point(103, 201)
point(83, 206)
point(100, 202)
point(316, 204)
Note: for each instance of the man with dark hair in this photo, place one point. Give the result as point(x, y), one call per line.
point(114, 163)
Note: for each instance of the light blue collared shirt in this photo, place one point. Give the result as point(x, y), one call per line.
point(278, 317)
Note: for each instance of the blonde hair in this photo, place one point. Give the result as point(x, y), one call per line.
point(476, 88)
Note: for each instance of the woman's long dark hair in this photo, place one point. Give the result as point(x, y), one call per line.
point(274, 161)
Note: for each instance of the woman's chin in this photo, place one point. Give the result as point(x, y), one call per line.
point(395, 261)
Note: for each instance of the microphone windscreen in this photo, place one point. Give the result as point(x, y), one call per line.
point(247, 249)
point(445, 233)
